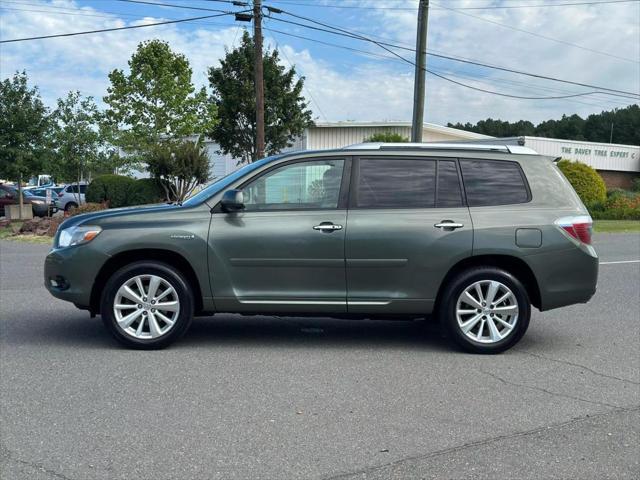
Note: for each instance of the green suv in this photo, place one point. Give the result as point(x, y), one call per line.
point(473, 234)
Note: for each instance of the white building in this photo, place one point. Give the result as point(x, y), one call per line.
point(325, 136)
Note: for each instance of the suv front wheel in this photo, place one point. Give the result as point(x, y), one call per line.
point(485, 310)
point(147, 305)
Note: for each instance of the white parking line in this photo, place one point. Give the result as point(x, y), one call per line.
point(620, 261)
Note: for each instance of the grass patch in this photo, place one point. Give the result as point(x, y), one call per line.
point(616, 226)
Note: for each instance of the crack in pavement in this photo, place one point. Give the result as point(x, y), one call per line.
point(566, 362)
point(548, 392)
point(482, 442)
point(9, 456)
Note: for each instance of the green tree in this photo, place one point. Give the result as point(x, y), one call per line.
point(156, 99)
point(24, 126)
point(76, 138)
point(386, 137)
point(621, 125)
point(286, 111)
point(179, 165)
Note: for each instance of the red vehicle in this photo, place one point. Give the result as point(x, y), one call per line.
point(9, 195)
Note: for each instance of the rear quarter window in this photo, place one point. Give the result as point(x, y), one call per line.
point(494, 182)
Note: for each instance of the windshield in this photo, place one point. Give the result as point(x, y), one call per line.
point(220, 184)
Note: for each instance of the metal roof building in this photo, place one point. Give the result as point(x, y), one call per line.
point(618, 164)
point(325, 136)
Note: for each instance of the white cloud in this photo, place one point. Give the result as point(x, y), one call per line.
point(356, 87)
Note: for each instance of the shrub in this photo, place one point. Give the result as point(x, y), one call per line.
point(619, 205)
point(116, 190)
point(587, 183)
point(147, 190)
point(387, 137)
point(86, 208)
point(636, 184)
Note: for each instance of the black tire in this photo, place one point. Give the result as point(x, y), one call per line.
point(453, 290)
point(70, 205)
point(183, 292)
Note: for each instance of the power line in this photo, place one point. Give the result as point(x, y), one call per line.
point(102, 30)
point(521, 30)
point(395, 59)
point(538, 35)
point(443, 77)
point(187, 7)
point(346, 33)
point(487, 7)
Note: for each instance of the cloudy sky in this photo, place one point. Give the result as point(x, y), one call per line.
point(596, 44)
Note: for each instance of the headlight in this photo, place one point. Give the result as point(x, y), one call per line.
point(77, 235)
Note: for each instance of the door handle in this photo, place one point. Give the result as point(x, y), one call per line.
point(449, 224)
point(327, 227)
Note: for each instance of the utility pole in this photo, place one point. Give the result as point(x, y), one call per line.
point(421, 65)
point(259, 80)
point(611, 134)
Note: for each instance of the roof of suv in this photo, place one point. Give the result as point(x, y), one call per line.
point(514, 149)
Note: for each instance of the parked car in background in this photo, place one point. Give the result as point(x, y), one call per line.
point(9, 195)
point(42, 191)
point(71, 196)
point(476, 235)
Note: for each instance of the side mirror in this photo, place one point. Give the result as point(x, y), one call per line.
point(232, 201)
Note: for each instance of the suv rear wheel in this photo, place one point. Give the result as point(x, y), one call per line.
point(485, 310)
point(147, 305)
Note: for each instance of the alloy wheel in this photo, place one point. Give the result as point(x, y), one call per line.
point(487, 311)
point(146, 307)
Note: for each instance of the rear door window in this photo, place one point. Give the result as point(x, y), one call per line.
point(449, 190)
point(396, 183)
point(493, 182)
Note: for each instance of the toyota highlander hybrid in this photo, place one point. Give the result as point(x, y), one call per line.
point(474, 235)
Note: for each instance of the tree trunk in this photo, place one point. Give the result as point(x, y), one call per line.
point(20, 199)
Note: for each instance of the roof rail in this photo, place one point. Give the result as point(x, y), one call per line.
point(515, 149)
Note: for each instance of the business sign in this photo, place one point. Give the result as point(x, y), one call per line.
point(601, 156)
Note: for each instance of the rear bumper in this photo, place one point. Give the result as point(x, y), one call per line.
point(69, 273)
point(565, 277)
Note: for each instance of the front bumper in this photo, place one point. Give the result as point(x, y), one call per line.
point(69, 273)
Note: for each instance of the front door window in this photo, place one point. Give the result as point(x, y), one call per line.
point(297, 186)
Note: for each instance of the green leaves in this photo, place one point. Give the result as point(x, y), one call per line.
point(286, 111)
point(75, 139)
point(155, 100)
point(179, 165)
point(387, 137)
point(24, 127)
point(595, 128)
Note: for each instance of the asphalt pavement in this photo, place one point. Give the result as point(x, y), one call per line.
point(288, 398)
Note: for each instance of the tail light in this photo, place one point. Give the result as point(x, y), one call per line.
point(579, 228)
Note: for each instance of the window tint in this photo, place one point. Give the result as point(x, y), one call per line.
point(303, 185)
point(493, 182)
point(449, 191)
point(396, 183)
